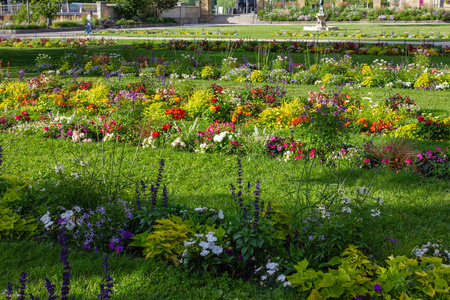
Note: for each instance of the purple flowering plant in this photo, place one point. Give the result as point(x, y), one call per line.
point(106, 227)
point(250, 231)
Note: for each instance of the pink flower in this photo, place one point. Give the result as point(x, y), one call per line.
point(428, 122)
point(409, 161)
point(437, 148)
point(102, 117)
point(421, 119)
point(419, 155)
point(69, 132)
point(234, 143)
point(285, 145)
point(45, 128)
point(389, 148)
point(386, 161)
point(367, 160)
point(343, 151)
point(428, 153)
point(208, 138)
point(299, 156)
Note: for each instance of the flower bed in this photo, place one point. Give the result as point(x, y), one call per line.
point(328, 242)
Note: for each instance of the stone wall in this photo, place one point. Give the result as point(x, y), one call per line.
point(184, 14)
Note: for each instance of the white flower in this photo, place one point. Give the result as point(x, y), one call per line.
point(287, 283)
point(67, 215)
point(204, 252)
point(378, 200)
point(218, 138)
point(217, 250)
point(70, 225)
point(272, 266)
point(46, 217)
point(375, 212)
point(79, 222)
point(211, 238)
point(83, 163)
point(204, 245)
point(346, 200)
point(271, 272)
point(346, 209)
point(48, 224)
point(198, 235)
point(76, 208)
point(263, 277)
point(281, 278)
point(185, 253)
point(220, 215)
point(59, 168)
point(188, 243)
point(76, 175)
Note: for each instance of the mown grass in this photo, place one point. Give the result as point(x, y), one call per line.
point(267, 31)
point(134, 278)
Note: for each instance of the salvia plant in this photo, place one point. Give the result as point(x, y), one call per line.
point(21, 294)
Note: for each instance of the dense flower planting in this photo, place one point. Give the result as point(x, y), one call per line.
point(334, 247)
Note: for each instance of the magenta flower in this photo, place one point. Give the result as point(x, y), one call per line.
point(419, 155)
point(367, 160)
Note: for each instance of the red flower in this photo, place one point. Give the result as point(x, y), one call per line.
point(428, 122)
point(18, 117)
point(421, 119)
point(214, 100)
point(234, 143)
point(166, 126)
point(45, 128)
point(217, 107)
point(155, 134)
point(27, 118)
point(24, 113)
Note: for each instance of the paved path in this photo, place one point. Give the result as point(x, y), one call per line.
point(77, 34)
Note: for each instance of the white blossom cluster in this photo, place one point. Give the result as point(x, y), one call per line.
point(207, 243)
point(59, 168)
point(202, 148)
point(149, 142)
point(431, 249)
point(206, 209)
point(322, 211)
point(47, 220)
point(271, 270)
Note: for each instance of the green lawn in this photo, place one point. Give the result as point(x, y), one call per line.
point(268, 31)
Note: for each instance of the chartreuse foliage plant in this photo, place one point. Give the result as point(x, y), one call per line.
point(166, 239)
point(353, 276)
point(12, 225)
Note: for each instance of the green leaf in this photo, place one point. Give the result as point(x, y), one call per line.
point(327, 281)
point(303, 264)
